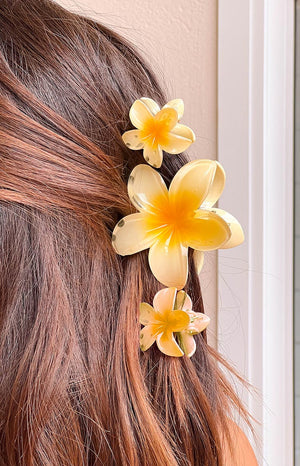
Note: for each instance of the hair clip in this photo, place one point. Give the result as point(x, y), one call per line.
point(171, 323)
point(170, 221)
point(157, 130)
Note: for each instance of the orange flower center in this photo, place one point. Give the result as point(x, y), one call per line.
point(155, 132)
point(171, 220)
point(172, 321)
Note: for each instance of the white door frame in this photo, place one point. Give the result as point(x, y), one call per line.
point(255, 146)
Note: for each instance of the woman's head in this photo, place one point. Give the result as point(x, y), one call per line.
point(74, 387)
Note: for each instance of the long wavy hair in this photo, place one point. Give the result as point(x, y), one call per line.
point(75, 389)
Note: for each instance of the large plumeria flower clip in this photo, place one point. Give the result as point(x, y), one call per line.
point(171, 221)
point(172, 323)
point(157, 129)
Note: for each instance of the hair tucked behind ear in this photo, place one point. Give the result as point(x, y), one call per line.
point(74, 387)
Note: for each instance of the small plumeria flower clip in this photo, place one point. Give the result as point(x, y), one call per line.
point(172, 323)
point(157, 130)
point(168, 222)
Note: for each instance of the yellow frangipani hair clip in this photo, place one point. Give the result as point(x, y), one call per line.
point(171, 322)
point(171, 221)
point(157, 130)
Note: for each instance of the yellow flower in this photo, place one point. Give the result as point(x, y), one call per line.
point(157, 130)
point(171, 317)
point(198, 323)
point(169, 222)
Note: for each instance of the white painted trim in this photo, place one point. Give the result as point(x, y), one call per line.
point(278, 198)
point(255, 146)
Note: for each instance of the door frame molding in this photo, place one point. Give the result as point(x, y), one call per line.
point(255, 146)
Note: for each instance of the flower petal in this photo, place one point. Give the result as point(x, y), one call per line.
point(192, 182)
point(199, 322)
point(183, 301)
point(207, 231)
point(132, 139)
point(175, 144)
point(154, 156)
point(130, 235)
point(147, 314)
point(151, 104)
point(146, 188)
point(184, 132)
point(169, 263)
point(147, 337)
point(167, 344)
point(187, 343)
point(178, 105)
point(164, 300)
point(216, 187)
point(198, 258)
point(139, 114)
point(237, 234)
point(167, 117)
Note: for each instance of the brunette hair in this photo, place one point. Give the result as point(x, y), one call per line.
point(75, 389)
